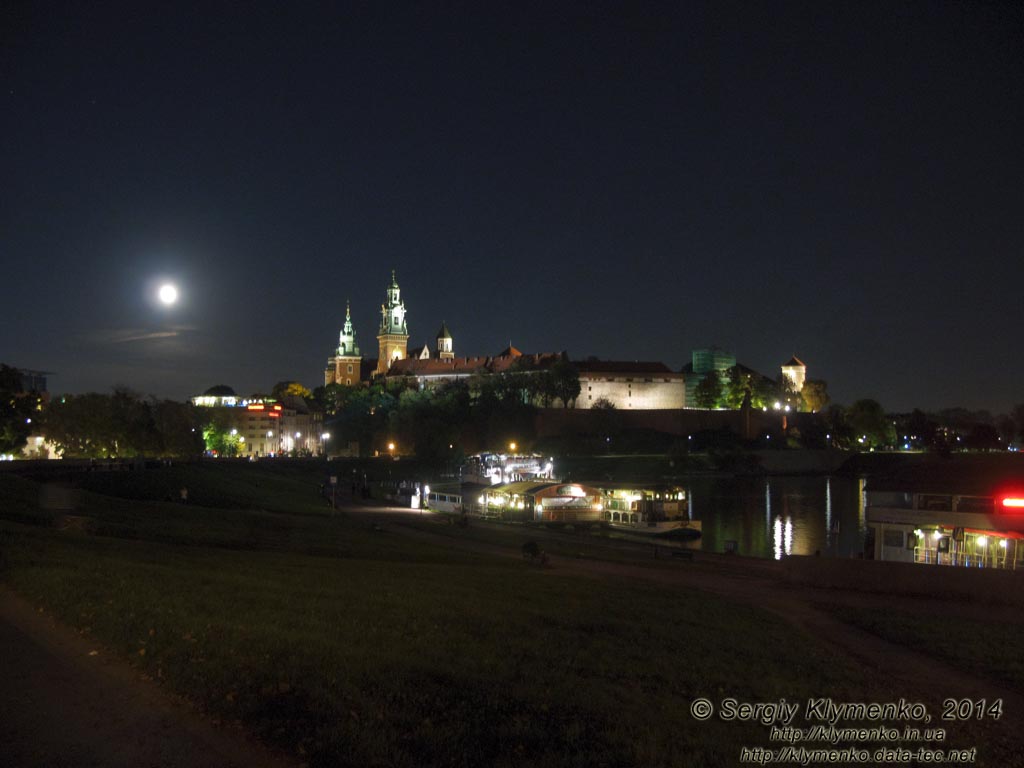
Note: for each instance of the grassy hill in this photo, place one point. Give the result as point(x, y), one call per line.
point(350, 646)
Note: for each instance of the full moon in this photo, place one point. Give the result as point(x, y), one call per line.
point(168, 294)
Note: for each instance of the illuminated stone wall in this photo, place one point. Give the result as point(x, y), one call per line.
point(633, 392)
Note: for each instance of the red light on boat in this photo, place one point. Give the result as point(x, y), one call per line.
point(1013, 502)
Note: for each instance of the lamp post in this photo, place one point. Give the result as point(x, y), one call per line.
point(269, 435)
point(323, 441)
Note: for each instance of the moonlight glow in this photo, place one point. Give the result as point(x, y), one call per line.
point(168, 294)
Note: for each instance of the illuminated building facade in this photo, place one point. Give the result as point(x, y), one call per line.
point(629, 385)
point(795, 372)
point(263, 426)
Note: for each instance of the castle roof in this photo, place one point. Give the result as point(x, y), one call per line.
point(465, 366)
point(620, 366)
point(444, 333)
point(794, 362)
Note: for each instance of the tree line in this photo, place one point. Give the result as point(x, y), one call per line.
point(480, 412)
point(737, 385)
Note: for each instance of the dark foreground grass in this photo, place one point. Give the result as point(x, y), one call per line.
point(991, 647)
point(356, 648)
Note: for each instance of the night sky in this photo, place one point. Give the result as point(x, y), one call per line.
point(631, 181)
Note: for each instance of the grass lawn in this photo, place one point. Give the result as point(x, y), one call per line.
point(993, 648)
point(353, 647)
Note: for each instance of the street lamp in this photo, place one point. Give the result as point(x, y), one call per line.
point(512, 446)
point(269, 435)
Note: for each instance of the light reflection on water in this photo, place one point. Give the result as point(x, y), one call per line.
point(780, 515)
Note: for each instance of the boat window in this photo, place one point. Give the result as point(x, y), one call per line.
point(974, 504)
point(893, 538)
point(935, 502)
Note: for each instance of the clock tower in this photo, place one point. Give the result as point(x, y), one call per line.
point(393, 335)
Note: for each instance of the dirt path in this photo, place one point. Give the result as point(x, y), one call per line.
point(756, 583)
point(64, 702)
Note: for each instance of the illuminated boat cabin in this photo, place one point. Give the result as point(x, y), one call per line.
point(948, 515)
point(634, 506)
point(541, 502)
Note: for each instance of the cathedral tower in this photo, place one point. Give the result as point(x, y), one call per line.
point(343, 368)
point(445, 351)
point(393, 336)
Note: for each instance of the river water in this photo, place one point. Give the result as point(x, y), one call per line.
point(776, 516)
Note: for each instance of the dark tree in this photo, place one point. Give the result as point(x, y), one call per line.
point(709, 391)
point(739, 385)
point(122, 424)
point(814, 395)
point(564, 382)
point(983, 437)
point(871, 427)
point(16, 408)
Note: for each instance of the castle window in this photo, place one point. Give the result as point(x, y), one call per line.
point(350, 369)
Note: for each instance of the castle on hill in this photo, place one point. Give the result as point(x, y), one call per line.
point(625, 385)
point(428, 366)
